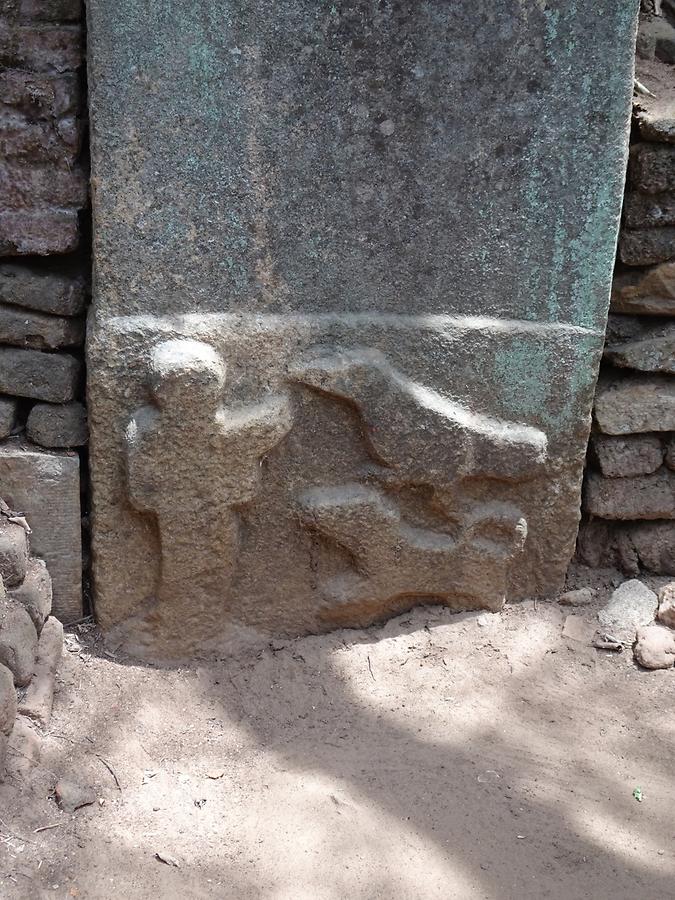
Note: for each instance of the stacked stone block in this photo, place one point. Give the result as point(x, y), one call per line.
point(30, 640)
point(629, 493)
point(43, 189)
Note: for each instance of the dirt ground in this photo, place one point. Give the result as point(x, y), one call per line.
point(454, 756)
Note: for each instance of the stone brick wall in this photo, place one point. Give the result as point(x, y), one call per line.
point(629, 494)
point(44, 247)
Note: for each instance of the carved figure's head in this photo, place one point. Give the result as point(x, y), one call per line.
point(186, 374)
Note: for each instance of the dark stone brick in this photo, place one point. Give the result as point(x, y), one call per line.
point(41, 49)
point(42, 141)
point(648, 210)
point(52, 425)
point(26, 186)
point(644, 246)
point(48, 292)
point(39, 331)
point(38, 232)
point(640, 497)
point(54, 377)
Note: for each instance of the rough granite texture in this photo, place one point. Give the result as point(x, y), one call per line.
point(347, 312)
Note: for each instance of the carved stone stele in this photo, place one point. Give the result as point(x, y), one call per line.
point(352, 267)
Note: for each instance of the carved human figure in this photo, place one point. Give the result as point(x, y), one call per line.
point(191, 462)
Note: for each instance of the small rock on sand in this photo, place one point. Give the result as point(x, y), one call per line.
point(655, 647)
point(666, 613)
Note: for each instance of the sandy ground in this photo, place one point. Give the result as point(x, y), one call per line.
point(453, 756)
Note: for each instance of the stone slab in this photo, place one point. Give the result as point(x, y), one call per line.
point(54, 377)
point(649, 292)
point(38, 232)
point(26, 187)
point(46, 487)
point(39, 331)
point(619, 457)
point(55, 425)
point(638, 497)
point(353, 357)
point(42, 289)
point(635, 404)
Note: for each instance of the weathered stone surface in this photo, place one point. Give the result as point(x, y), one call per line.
point(7, 703)
point(640, 497)
point(666, 612)
point(39, 142)
point(631, 546)
point(50, 10)
point(632, 604)
point(8, 408)
point(653, 351)
point(652, 168)
point(38, 232)
point(42, 289)
point(351, 460)
point(633, 405)
point(670, 453)
point(46, 486)
point(647, 293)
point(13, 552)
point(7, 713)
point(619, 457)
point(655, 116)
point(644, 246)
point(41, 48)
point(35, 592)
point(53, 425)
point(25, 187)
point(18, 641)
point(39, 699)
point(648, 210)
point(654, 647)
point(39, 331)
point(54, 377)
point(38, 96)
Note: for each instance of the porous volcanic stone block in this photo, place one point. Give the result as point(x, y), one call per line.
point(13, 552)
point(51, 10)
point(38, 331)
point(644, 246)
point(652, 168)
point(8, 408)
point(42, 290)
point(631, 404)
point(670, 453)
point(54, 377)
point(639, 497)
point(355, 371)
point(649, 292)
point(38, 232)
point(46, 487)
point(57, 426)
point(631, 455)
point(35, 592)
point(631, 546)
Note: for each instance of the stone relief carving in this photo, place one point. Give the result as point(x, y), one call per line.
point(417, 437)
point(191, 462)
point(393, 558)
